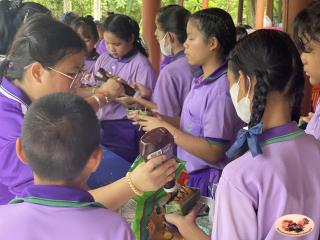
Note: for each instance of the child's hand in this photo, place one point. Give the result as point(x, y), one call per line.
point(307, 119)
point(185, 223)
point(149, 123)
point(126, 101)
point(111, 88)
point(133, 115)
point(142, 91)
point(154, 174)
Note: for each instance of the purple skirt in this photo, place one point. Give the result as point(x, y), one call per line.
point(205, 179)
point(121, 137)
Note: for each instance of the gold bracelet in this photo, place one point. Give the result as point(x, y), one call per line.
point(97, 100)
point(132, 186)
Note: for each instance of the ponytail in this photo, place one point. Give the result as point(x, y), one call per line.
point(137, 39)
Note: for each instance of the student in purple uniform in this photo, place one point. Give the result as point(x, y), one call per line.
point(87, 30)
point(47, 57)
point(209, 122)
point(127, 59)
point(60, 142)
point(175, 78)
point(306, 35)
point(12, 15)
point(276, 172)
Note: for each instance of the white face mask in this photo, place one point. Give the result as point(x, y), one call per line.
point(242, 107)
point(165, 50)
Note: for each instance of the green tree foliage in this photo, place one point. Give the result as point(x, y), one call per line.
point(133, 7)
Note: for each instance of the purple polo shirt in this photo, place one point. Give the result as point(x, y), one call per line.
point(134, 67)
point(208, 112)
point(14, 175)
point(101, 47)
point(47, 219)
point(89, 67)
point(313, 126)
point(165, 61)
point(173, 85)
point(254, 192)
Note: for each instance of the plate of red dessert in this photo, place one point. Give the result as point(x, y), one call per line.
point(294, 225)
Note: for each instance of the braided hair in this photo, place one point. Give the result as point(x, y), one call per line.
point(273, 59)
point(215, 22)
point(124, 28)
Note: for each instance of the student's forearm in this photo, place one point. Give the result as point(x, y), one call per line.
point(175, 121)
point(85, 92)
point(114, 195)
point(145, 103)
point(192, 232)
point(197, 146)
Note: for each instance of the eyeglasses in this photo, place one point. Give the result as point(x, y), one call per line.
point(76, 80)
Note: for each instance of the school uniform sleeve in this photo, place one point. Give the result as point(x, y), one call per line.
point(124, 231)
point(13, 173)
point(219, 119)
point(166, 95)
point(146, 75)
point(234, 215)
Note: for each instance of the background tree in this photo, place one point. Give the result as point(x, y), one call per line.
point(133, 7)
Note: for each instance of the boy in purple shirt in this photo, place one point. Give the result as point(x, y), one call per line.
point(306, 35)
point(60, 142)
point(276, 167)
point(209, 122)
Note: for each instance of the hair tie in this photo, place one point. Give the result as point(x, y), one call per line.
point(247, 136)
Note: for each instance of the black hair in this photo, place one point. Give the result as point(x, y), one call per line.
point(215, 22)
point(85, 22)
point(273, 59)
point(12, 15)
point(241, 32)
point(42, 39)
point(306, 25)
point(60, 132)
point(174, 18)
point(125, 28)
point(246, 26)
point(68, 17)
point(99, 25)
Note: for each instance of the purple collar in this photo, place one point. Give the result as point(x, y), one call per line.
point(279, 131)
point(12, 91)
point(168, 60)
point(93, 55)
point(222, 70)
point(61, 193)
point(128, 57)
